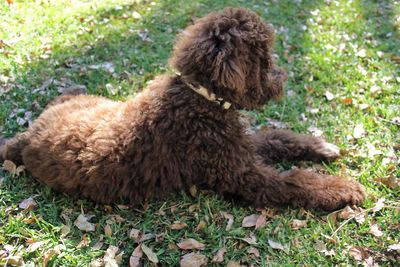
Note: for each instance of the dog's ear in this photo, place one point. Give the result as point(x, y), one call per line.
point(225, 47)
point(212, 49)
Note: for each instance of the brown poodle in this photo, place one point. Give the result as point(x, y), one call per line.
point(185, 130)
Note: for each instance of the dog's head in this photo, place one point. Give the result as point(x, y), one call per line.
point(230, 53)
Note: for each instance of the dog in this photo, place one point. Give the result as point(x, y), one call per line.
point(185, 130)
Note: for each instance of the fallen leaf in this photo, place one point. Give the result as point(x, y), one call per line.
point(361, 53)
point(99, 243)
point(193, 260)
point(82, 223)
point(229, 217)
point(250, 221)
point(136, 15)
point(277, 124)
point(134, 260)
point(14, 260)
point(48, 255)
point(107, 230)
point(261, 221)
point(315, 131)
point(358, 253)
point(374, 229)
point(193, 190)
point(190, 243)
point(379, 205)
point(84, 242)
point(107, 66)
point(34, 246)
point(134, 234)
point(110, 256)
point(233, 264)
point(395, 247)
point(252, 239)
point(348, 101)
point(149, 253)
point(28, 204)
point(358, 131)
point(193, 207)
point(297, 224)
point(219, 256)
point(329, 96)
point(254, 251)
point(10, 167)
point(65, 230)
point(390, 181)
point(77, 89)
point(346, 213)
point(178, 225)
point(201, 226)
point(275, 245)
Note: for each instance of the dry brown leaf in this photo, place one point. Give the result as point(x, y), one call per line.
point(297, 224)
point(229, 217)
point(110, 257)
point(394, 247)
point(275, 245)
point(149, 253)
point(10, 2)
point(134, 234)
point(233, 264)
point(329, 96)
point(379, 205)
point(84, 242)
point(261, 221)
point(107, 230)
point(193, 207)
point(10, 167)
point(252, 239)
point(134, 260)
point(219, 256)
point(190, 243)
point(193, 190)
point(193, 260)
point(82, 223)
point(358, 253)
point(374, 229)
point(178, 225)
point(250, 221)
point(358, 131)
point(48, 255)
point(201, 226)
point(348, 101)
point(65, 230)
point(14, 260)
point(27, 204)
point(390, 181)
point(99, 243)
point(33, 246)
point(254, 251)
point(346, 213)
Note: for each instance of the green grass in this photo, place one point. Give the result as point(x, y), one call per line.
point(344, 47)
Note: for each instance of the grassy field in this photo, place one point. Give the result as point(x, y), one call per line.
point(344, 84)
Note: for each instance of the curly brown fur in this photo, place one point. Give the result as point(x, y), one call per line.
point(169, 138)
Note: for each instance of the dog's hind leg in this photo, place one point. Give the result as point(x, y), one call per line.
point(263, 186)
point(278, 145)
point(11, 149)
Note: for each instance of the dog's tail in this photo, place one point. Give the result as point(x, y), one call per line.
point(11, 149)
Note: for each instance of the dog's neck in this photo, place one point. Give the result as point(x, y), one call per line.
point(207, 94)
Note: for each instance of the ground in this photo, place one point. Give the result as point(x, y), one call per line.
point(344, 78)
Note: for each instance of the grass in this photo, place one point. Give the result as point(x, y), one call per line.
point(347, 48)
